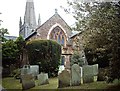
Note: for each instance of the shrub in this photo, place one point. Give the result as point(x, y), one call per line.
point(46, 54)
point(103, 73)
point(76, 58)
point(16, 73)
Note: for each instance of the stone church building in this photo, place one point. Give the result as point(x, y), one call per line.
point(55, 28)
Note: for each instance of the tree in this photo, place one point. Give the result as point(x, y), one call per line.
point(3, 31)
point(9, 53)
point(20, 42)
point(12, 50)
point(102, 31)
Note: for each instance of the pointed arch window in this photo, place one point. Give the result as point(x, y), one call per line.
point(58, 34)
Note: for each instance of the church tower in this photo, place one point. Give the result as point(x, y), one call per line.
point(29, 23)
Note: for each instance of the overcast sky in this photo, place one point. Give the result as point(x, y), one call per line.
point(12, 10)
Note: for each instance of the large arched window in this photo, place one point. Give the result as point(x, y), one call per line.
point(58, 34)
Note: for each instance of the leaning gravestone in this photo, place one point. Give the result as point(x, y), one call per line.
point(88, 75)
point(76, 75)
point(64, 78)
point(27, 81)
point(43, 79)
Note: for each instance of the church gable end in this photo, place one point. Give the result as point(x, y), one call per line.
point(45, 29)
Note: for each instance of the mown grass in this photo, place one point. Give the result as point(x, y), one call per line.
point(11, 83)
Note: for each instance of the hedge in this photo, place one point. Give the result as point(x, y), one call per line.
point(46, 54)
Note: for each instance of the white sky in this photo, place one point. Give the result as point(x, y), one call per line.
point(12, 10)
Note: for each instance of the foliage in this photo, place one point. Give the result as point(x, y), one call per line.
point(102, 33)
point(76, 58)
point(45, 53)
point(9, 53)
point(20, 42)
point(102, 74)
point(16, 73)
point(3, 31)
point(98, 56)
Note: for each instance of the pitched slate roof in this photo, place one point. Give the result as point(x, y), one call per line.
point(45, 27)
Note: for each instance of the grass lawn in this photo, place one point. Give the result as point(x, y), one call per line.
point(11, 83)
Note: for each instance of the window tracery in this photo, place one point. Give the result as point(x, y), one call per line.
point(58, 35)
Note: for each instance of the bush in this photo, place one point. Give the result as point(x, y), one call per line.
point(103, 74)
point(76, 58)
point(46, 54)
point(16, 73)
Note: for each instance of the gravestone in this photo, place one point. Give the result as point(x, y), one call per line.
point(43, 79)
point(88, 75)
point(76, 75)
point(27, 81)
point(30, 69)
point(34, 69)
point(95, 71)
point(25, 70)
point(64, 78)
point(61, 68)
point(81, 72)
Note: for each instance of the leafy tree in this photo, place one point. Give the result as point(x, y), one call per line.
point(102, 32)
point(12, 51)
point(20, 42)
point(9, 53)
point(3, 31)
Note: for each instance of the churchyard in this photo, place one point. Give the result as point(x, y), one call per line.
point(77, 78)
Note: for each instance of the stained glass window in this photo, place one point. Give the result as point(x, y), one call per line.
point(58, 35)
point(62, 40)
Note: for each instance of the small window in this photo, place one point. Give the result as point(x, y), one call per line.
point(63, 40)
point(62, 60)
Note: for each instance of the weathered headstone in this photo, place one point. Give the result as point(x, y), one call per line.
point(30, 69)
point(81, 72)
point(95, 71)
point(61, 68)
point(88, 75)
point(27, 81)
point(64, 78)
point(25, 70)
point(43, 79)
point(34, 69)
point(76, 75)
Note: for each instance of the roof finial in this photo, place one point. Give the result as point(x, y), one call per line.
point(56, 11)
